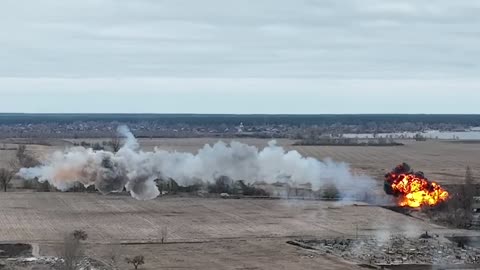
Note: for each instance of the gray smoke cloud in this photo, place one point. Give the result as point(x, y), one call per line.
point(137, 170)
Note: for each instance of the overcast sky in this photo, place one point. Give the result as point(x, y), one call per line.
point(240, 56)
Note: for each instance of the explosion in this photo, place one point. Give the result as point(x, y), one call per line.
point(138, 171)
point(412, 188)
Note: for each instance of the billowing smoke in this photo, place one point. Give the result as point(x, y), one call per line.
point(136, 170)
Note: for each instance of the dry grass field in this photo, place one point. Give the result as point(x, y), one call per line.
point(225, 234)
point(43, 216)
point(442, 161)
point(202, 233)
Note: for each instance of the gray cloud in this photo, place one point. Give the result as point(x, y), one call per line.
point(237, 51)
point(103, 38)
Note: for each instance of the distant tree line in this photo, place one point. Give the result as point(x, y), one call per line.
point(222, 184)
point(246, 119)
point(23, 159)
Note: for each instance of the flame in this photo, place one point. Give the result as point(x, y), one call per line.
point(416, 191)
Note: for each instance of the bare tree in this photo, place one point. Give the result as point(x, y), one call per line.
point(23, 158)
point(115, 142)
point(21, 151)
point(136, 261)
point(114, 256)
point(71, 252)
point(330, 192)
point(163, 234)
point(6, 176)
point(460, 205)
point(80, 235)
point(468, 191)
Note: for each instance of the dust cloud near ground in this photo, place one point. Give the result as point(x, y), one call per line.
point(136, 170)
point(442, 161)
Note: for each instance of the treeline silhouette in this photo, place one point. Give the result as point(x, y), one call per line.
point(246, 119)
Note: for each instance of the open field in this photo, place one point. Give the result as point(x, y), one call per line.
point(46, 216)
point(442, 161)
point(202, 233)
point(227, 234)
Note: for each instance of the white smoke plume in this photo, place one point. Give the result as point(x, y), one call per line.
point(136, 170)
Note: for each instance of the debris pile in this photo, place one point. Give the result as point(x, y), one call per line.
point(52, 263)
point(399, 250)
point(91, 264)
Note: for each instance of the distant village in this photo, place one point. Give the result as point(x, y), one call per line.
point(153, 129)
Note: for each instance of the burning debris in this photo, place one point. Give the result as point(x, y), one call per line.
point(136, 171)
point(412, 188)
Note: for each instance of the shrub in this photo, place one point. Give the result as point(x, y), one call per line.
point(136, 261)
point(164, 234)
point(250, 190)
point(97, 147)
point(223, 184)
point(37, 185)
point(72, 251)
point(80, 235)
point(330, 192)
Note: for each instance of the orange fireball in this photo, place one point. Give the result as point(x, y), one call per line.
point(413, 189)
point(416, 192)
